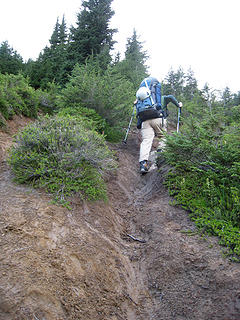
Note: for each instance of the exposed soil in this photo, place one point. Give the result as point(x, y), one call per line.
point(129, 259)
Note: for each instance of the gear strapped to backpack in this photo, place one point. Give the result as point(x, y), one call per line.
point(148, 104)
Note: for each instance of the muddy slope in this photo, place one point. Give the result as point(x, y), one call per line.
point(126, 259)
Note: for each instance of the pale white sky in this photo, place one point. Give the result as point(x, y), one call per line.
point(199, 34)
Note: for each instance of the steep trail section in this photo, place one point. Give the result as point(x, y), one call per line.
point(128, 259)
point(57, 264)
point(185, 277)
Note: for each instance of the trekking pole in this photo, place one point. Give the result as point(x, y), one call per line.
point(178, 121)
point(130, 122)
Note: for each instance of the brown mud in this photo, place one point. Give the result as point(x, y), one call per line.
point(130, 258)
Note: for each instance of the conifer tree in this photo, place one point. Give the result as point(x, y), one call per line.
point(10, 60)
point(190, 87)
point(174, 82)
point(63, 35)
point(51, 63)
point(92, 35)
point(54, 40)
point(226, 97)
point(133, 66)
point(236, 99)
point(208, 96)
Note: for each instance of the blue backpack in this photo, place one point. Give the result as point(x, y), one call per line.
point(150, 107)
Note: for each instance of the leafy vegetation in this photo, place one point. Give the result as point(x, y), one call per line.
point(60, 155)
point(17, 97)
point(204, 178)
point(88, 96)
point(91, 119)
point(10, 60)
point(92, 34)
point(103, 91)
point(133, 68)
point(87, 99)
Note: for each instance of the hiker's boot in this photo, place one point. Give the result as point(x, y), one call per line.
point(143, 167)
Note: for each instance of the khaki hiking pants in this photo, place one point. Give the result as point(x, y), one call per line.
point(150, 129)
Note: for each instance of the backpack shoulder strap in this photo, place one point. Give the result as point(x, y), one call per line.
point(145, 81)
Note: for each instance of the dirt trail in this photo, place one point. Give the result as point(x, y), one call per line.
point(126, 259)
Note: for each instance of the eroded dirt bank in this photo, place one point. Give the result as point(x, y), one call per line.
point(126, 259)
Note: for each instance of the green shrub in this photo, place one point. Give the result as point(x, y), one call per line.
point(90, 117)
point(48, 98)
point(3, 122)
point(17, 97)
point(113, 134)
point(110, 95)
point(62, 156)
point(205, 175)
point(93, 121)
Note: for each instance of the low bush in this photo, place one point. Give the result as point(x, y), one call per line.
point(90, 117)
point(110, 95)
point(93, 121)
point(204, 178)
point(17, 97)
point(62, 156)
point(47, 98)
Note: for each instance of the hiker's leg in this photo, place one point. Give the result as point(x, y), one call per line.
point(147, 133)
point(160, 127)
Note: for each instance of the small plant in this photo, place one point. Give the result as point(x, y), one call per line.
point(90, 117)
point(93, 121)
point(62, 156)
point(204, 176)
point(3, 122)
point(106, 92)
point(17, 97)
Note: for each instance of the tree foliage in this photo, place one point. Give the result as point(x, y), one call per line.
point(17, 97)
point(133, 67)
point(204, 158)
point(10, 60)
point(93, 96)
point(92, 34)
point(104, 91)
point(51, 65)
point(174, 82)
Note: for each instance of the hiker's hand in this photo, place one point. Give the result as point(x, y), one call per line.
point(180, 104)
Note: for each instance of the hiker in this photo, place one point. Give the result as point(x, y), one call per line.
point(152, 115)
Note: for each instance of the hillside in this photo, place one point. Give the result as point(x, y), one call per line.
point(133, 258)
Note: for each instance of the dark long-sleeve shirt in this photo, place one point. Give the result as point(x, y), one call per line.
point(167, 99)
